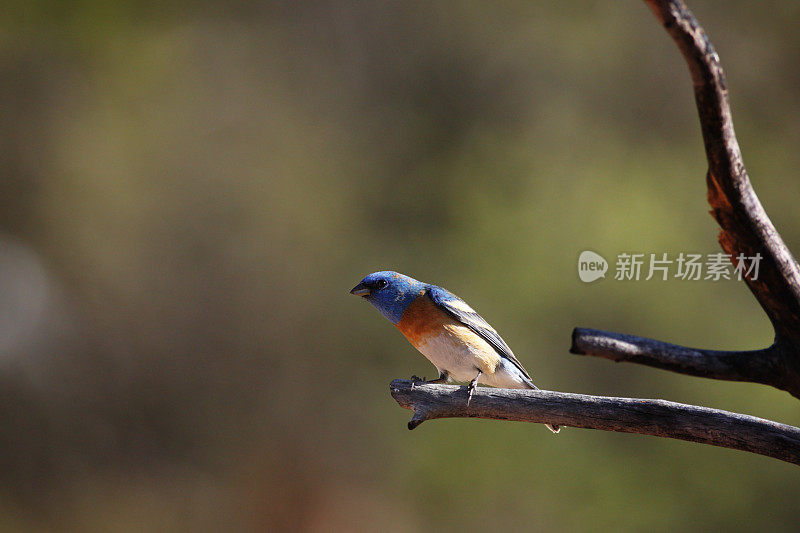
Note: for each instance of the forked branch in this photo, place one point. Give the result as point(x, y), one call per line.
point(745, 229)
point(627, 415)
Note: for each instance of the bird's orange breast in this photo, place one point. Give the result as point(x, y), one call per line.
point(422, 320)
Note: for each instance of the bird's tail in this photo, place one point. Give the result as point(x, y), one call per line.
point(555, 428)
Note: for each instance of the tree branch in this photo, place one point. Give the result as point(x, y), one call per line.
point(628, 415)
point(758, 366)
point(745, 229)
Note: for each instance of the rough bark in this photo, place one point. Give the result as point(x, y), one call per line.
point(627, 415)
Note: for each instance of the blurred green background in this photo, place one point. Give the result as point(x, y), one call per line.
point(189, 190)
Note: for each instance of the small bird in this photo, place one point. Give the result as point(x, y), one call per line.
point(448, 332)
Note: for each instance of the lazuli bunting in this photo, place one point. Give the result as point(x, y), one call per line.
point(448, 332)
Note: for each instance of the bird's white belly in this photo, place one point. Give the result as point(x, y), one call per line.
point(453, 358)
point(461, 354)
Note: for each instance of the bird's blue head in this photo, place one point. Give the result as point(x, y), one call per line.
point(391, 293)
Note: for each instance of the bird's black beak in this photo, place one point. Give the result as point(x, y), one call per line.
point(360, 290)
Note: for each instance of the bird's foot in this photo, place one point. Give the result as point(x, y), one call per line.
point(415, 380)
point(471, 387)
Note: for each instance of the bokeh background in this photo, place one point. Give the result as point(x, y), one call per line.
point(188, 190)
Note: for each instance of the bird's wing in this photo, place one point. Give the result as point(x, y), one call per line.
point(461, 311)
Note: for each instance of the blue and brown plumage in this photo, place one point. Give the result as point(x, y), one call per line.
point(448, 332)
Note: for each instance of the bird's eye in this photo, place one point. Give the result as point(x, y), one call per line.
point(381, 283)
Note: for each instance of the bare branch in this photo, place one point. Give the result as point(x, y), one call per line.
point(745, 229)
point(758, 366)
point(627, 415)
